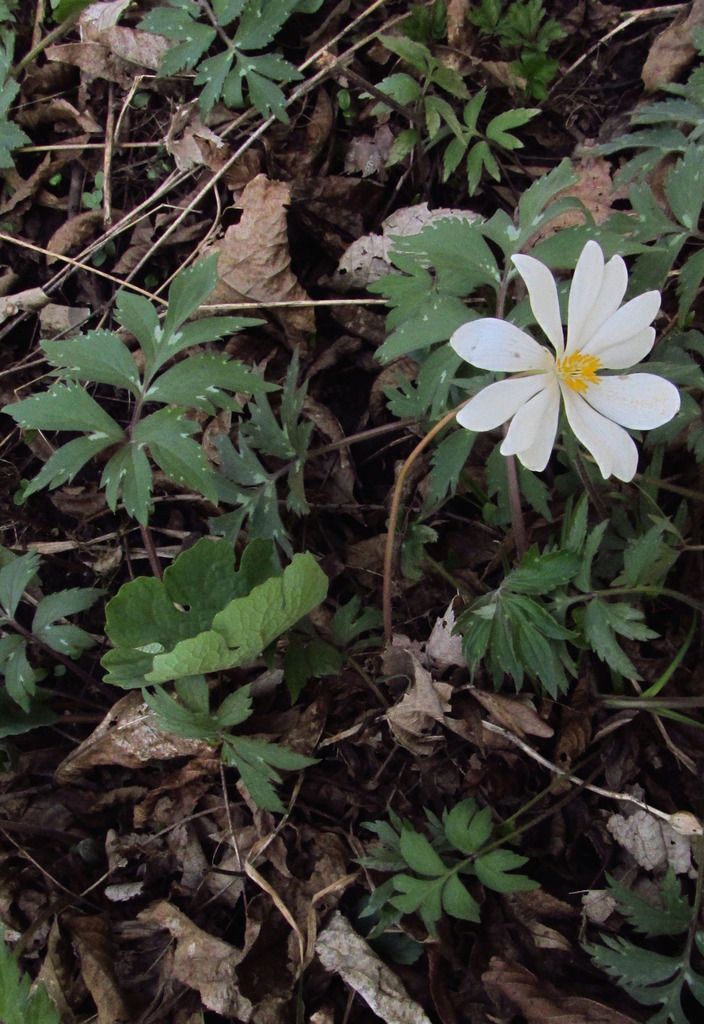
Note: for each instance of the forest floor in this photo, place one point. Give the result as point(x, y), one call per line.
point(143, 877)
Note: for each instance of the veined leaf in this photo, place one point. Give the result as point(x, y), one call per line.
point(97, 356)
point(65, 407)
point(14, 580)
point(168, 435)
point(201, 382)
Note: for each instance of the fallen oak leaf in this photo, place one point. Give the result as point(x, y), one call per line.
point(342, 950)
point(540, 1002)
point(202, 962)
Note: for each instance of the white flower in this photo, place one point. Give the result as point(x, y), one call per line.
point(600, 336)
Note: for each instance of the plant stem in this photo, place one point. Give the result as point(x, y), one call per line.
point(589, 487)
point(150, 548)
point(647, 591)
point(514, 499)
point(55, 34)
point(394, 511)
point(67, 662)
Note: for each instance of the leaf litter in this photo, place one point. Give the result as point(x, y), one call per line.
point(171, 896)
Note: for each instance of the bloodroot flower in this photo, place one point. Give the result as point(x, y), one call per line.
point(601, 335)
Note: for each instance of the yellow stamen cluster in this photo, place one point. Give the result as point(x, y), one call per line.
point(578, 371)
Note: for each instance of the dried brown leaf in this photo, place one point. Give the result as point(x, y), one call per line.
point(56, 111)
point(92, 939)
point(254, 261)
point(539, 1002)
point(652, 843)
point(594, 189)
point(444, 649)
point(424, 705)
point(343, 951)
point(74, 234)
point(673, 49)
point(515, 713)
point(202, 962)
point(127, 736)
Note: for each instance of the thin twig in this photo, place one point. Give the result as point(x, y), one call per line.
point(394, 511)
point(599, 790)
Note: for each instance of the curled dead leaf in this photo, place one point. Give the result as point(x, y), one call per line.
point(424, 704)
point(539, 1002)
point(202, 962)
point(127, 736)
point(673, 49)
point(515, 713)
point(343, 951)
point(74, 233)
point(254, 260)
point(93, 942)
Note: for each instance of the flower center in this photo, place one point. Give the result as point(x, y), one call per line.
point(578, 371)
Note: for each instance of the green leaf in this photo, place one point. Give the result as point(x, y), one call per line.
point(309, 658)
point(457, 901)
point(491, 869)
point(466, 827)
point(66, 462)
point(689, 282)
point(227, 10)
point(128, 475)
point(15, 722)
point(266, 96)
point(15, 577)
point(62, 604)
point(684, 188)
point(11, 135)
point(539, 574)
point(98, 356)
point(601, 621)
point(400, 87)
point(235, 709)
point(448, 461)
point(20, 1002)
point(189, 290)
point(415, 54)
point(200, 382)
point(500, 126)
point(420, 855)
point(672, 917)
point(261, 20)
point(351, 620)
point(212, 74)
point(583, 579)
point(65, 407)
point(256, 762)
point(20, 678)
point(166, 434)
point(188, 628)
point(138, 316)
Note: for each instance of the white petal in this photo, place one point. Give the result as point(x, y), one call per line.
point(494, 344)
point(499, 402)
point(542, 292)
point(624, 324)
point(613, 287)
point(584, 293)
point(640, 401)
point(614, 450)
point(533, 428)
point(624, 354)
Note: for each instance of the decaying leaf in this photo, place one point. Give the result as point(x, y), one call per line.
point(652, 843)
point(673, 49)
point(127, 736)
point(594, 188)
point(93, 942)
point(343, 951)
point(74, 233)
point(424, 705)
point(254, 261)
point(515, 713)
point(191, 143)
point(367, 154)
point(202, 962)
point(539, 1002)
point(367, 259)
point(56, 319)
point(443, 649)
